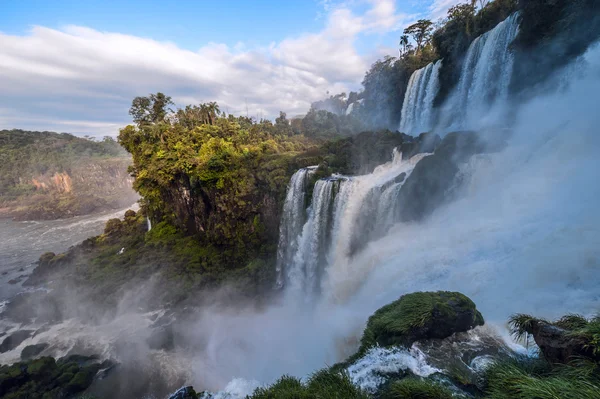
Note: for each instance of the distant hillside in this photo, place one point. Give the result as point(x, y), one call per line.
point(46, 175)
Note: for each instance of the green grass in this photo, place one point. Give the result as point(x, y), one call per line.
point(324, 384)
point(533, 379)
point(413, 388)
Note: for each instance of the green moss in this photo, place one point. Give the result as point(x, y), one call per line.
point(419, 313)
point(47, 257)
point(413, 388)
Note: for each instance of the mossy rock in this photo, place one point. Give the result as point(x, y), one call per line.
point(31, 351)
point(420, 315)
point(47, 257)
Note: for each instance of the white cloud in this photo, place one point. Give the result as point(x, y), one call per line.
point(82, 80)
point(439, 8)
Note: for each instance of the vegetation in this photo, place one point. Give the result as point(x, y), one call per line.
point(413, 388)
point(47, 175)
point(420, 315)
point(524, 378)
point(322, 384)
point(47, 378)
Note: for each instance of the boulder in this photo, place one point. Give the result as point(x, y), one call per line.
point(31, 351)
point(14, 340)
point(185, 393)
point(428, 185)
point(560, 345)
point(419, 316)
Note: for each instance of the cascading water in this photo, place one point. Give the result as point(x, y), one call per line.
point(417, 110)
point(292, 220)
point(345, 213)
point(483, 85)
point(485, 76)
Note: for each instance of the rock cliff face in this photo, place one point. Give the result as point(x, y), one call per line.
point(86, 187)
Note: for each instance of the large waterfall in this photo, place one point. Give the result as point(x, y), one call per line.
point(486, 73)
point(344, 214)
point(417, 110)
point(292, 220)
point(484, 83)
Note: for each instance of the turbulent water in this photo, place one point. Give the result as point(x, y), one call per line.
point(483, 86)
point(486, 74)
point(417, 110)
point(344, 213)
point(22, 243)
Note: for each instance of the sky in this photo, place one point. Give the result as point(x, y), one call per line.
point(74, 66)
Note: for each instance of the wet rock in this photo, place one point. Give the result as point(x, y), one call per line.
point(80, 360)
point(14, 340)
point(559, 345)
point(31, 351)
point(29, 306)
point(45, 378)
point(400, 178)
point(428, 185)
point(420, 316)
point(185, 393)
point(162, 338)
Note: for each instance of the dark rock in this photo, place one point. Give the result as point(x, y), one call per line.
point(14, 340)
point(400, 178)
point(38, 305)
point(424, 143)
point(427, 186)
point(560, 345)
point(418, 316)
point(185, 393)
point(80, 360)
point(31, 351)
point(44, 377)
point(162, 338)
point(14, 281)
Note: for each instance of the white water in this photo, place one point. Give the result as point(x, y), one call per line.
point(485, 78)
point(417, 109)
point(483, 86)
point(344, 212)
point(369, 372)
point(292, 220)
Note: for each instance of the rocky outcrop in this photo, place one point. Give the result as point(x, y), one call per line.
point(46, 377)
point(31, 351)
point(14, 340)
point(419, 316)
point(428, 185)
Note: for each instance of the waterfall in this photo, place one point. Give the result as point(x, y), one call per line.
point(486, 74)
point(417, 110)
point(304, 271)
point(292, 220)
point(148, 223)
point(344, 214)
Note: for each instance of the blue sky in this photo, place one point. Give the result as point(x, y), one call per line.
point(75, 65)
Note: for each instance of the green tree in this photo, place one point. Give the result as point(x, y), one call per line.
point(421, 32)
point(151, 109)
point(464, 15)
point(404, 44)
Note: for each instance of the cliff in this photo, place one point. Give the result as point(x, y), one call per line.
point(51, 176)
